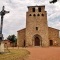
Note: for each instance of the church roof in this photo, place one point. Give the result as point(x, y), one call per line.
point(21, 29)
point(54, 28)
point(37, 6)
point(48, 27)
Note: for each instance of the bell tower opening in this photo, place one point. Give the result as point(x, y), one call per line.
point(39, 9)
point(36, 18)
point(33, 9)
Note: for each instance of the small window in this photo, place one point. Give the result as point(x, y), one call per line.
point(0, 38)
point(33, 9)
point(30, 15)
point(38, 14)
point(42, 14)
point(39, 9)
point(34, 15)
point(5, 43)
point(36, 28)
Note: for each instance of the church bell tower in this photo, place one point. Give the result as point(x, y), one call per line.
point(36, 26)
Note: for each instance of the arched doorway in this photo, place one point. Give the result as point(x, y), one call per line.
point(51, 42)
point(37, 40)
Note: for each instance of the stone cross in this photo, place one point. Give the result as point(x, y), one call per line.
point(2, 13)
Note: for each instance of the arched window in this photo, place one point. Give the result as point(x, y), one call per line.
point(34, 15)
point(38, 14)
point(42, 14)
point(30, 15)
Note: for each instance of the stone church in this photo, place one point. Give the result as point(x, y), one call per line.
point(37, 32)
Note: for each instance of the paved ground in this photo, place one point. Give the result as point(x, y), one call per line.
point(40, 53)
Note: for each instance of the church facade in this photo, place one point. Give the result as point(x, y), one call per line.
point(37, 32)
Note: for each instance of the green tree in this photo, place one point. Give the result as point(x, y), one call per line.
point(12, 38)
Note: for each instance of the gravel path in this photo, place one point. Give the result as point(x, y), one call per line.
point(41, 53)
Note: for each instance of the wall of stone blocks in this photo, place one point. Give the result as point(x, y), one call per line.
point(21, 38)
point(53, 35)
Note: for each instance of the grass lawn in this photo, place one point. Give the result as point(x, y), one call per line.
point(15, 54)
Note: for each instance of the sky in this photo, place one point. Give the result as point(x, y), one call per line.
point(16, 19)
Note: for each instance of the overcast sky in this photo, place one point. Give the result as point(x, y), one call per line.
point(16, 19)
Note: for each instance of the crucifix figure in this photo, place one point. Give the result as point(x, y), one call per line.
point(2, 13)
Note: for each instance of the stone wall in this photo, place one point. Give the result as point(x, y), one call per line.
point(53, 35)
point(21, 37)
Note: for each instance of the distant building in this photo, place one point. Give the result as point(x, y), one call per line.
point(37, 32)
point(8, 43)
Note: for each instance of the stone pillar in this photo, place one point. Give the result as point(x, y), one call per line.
point(1, 47)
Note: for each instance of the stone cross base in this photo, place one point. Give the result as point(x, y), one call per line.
point(1, 47)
